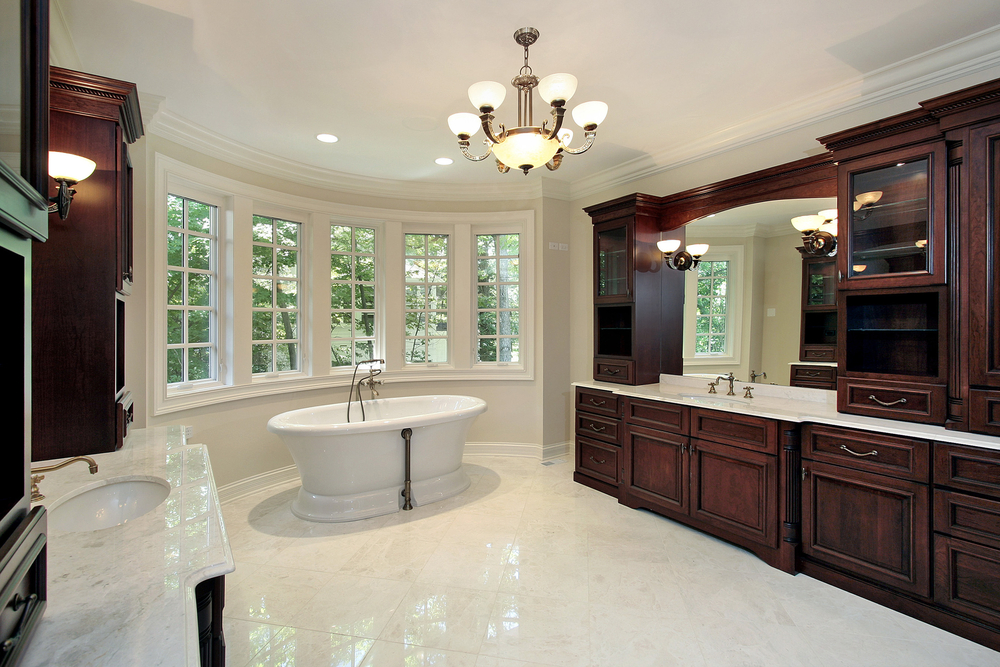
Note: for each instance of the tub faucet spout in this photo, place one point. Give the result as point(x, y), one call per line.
point(369, 382)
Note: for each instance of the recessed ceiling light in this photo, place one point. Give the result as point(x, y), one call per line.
point(444, 161)
point(327, 138)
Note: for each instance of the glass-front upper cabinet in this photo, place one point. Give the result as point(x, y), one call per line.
point(893, 205)
point(613, 245)
point(819, 282)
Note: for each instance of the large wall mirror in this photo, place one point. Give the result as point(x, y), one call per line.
point(743, 303)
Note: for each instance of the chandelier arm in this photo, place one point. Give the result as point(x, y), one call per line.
point(487, 120)
point(558, 112)
point(464, 146)
point(587, 144)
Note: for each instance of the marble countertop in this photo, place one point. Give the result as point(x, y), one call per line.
point(794, 404)
point(124, 596)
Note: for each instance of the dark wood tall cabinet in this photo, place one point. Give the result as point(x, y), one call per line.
point(83, 274)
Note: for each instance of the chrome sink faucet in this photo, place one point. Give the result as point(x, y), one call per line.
point(36, 495)
point(754, 376)
point(730, 379)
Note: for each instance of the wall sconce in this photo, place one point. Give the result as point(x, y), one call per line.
point(685, 260)
point(819, 232)
point(67, 170)
point(865, 202)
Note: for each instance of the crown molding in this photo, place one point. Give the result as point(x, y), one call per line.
point(173, 127)
point(961, 58)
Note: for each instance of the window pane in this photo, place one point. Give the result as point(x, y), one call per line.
point(288, 262)
point(175, 327)
point(175, 365)
point(487, 324)
point(701, 324)
point(263, 229)
point(718, 305)
point(340, 267)
point(364, 324)
point(340, 354)
point(364, 297)
point(437, 324)
point(285, 325)
point(509, 350)
point(486, 245)
point(437, 245)
point(286, 357)
point(363, 351)
point(508, 245)
point(287, 294)
point(198, 326)
point(717, 344)
point(340, 238)
point(287, 233)
point(416, 351)
point(198, 289)
point(719, 325)
point(509, 295)
point(263, 257)
point(261, 358)
point(704, 306)
point(415, 244)
point(415, 271)
point(262, 292)
point(487, 270)
point(487, 296)
point(364, 240)
point(199, 217)
point(175, 248)
point(508, 323)
point(509, 270)
point(364, 268)
point(199, 363)
point(175, 288)
point(437, 297)
point(487, 349)
point(416, 296)
point(415, 324)
point(199, 253)
point(175, 211)
point(262, 326)
point(340, 326)
point(437, 270)
point(437, 350)
point(340, 295)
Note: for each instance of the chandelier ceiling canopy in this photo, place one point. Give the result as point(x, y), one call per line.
point(527, 146)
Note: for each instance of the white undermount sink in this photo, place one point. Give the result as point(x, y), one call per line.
point(714, 399)
point(110, 503)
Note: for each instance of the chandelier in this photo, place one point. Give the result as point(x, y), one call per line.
point(527, 146)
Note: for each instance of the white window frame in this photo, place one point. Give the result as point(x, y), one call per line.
point(478, 230)
point(449, 312)
point(735, 287)
point(238, 202)
point(379, 338)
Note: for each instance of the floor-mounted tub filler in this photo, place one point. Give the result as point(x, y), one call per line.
point(356, 470)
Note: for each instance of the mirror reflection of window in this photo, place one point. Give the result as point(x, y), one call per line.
point(10, 86)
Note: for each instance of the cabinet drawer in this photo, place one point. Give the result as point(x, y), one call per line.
point(598, 402)
point(967, 517)
point(871, 525)
point(597, 460)
point(622, 372)
point(925, 403)
point(984, 411)
point(967, 578)
point(658, 415)
point(734, 429)
point(967, 469)
point(814, 373)
point(818, 354)
point(867, 450)
point(602, 428)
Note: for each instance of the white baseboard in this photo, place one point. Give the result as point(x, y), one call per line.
point(556, 450)
point(250, 485)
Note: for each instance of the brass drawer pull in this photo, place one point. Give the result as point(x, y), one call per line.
point(598, 404)
point(871, 453)
point(811, 374)
point(612, 371)
point(595, 429)
point(600, 463)
point(901, 401)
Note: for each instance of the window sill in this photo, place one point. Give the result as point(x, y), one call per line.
point(709, 362)
point(196, 397)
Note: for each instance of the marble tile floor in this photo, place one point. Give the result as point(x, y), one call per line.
point(529, 569)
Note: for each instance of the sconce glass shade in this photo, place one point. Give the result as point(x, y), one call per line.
point(523, 147)
point(557, 87)
point(590, 114)
point(807, 223)
point(668, 245)
point(867, 198)
point(565, 136)
point(697, 249)
point(464, 123)
point(859, 268)
point(69, 167)
point(829, 226)
point(922, 243)
point(487, 94)
point(828, 214)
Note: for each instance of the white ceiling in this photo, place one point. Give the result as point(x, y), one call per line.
point(383, 75)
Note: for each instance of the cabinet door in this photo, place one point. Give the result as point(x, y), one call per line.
point(875, 526)
point(966, 578)
point(735, 489)
point(656, 468)
point(984, 251)
point(613, 246)
point(892, 218)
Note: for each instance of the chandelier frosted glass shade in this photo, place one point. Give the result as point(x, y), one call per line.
point(807, 223)
point(526, 145)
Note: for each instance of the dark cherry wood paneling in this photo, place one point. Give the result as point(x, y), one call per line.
point(870, 525)
point(656, 468)
point(984, 252)
point(984, 411)
point(967, 517)
point(926, 403)
point(658, 415)
point(597, 459)
point(966, 578)
point(598, 402)
point(868, 450)
point(600, 427)
point(735, 429)
point(967, 469)
point(735, 489)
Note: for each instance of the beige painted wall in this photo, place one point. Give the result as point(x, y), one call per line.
point(783, 293)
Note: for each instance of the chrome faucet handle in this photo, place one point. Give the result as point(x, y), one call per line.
point(712, 386)
point(747, 393)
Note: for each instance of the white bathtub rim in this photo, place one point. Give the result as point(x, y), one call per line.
point(285, 422)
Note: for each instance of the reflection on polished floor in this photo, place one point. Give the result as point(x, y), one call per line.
point(527, 569)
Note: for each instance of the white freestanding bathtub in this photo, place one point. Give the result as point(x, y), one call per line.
point(355, 470)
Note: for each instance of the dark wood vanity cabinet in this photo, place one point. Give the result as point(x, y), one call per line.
point(599, 431)
point(82, 274)
point(717, 471)
point(637, 334)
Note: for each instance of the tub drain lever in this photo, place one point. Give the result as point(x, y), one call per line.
point(407, 504)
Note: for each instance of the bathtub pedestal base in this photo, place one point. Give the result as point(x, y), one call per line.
point(354, 507)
